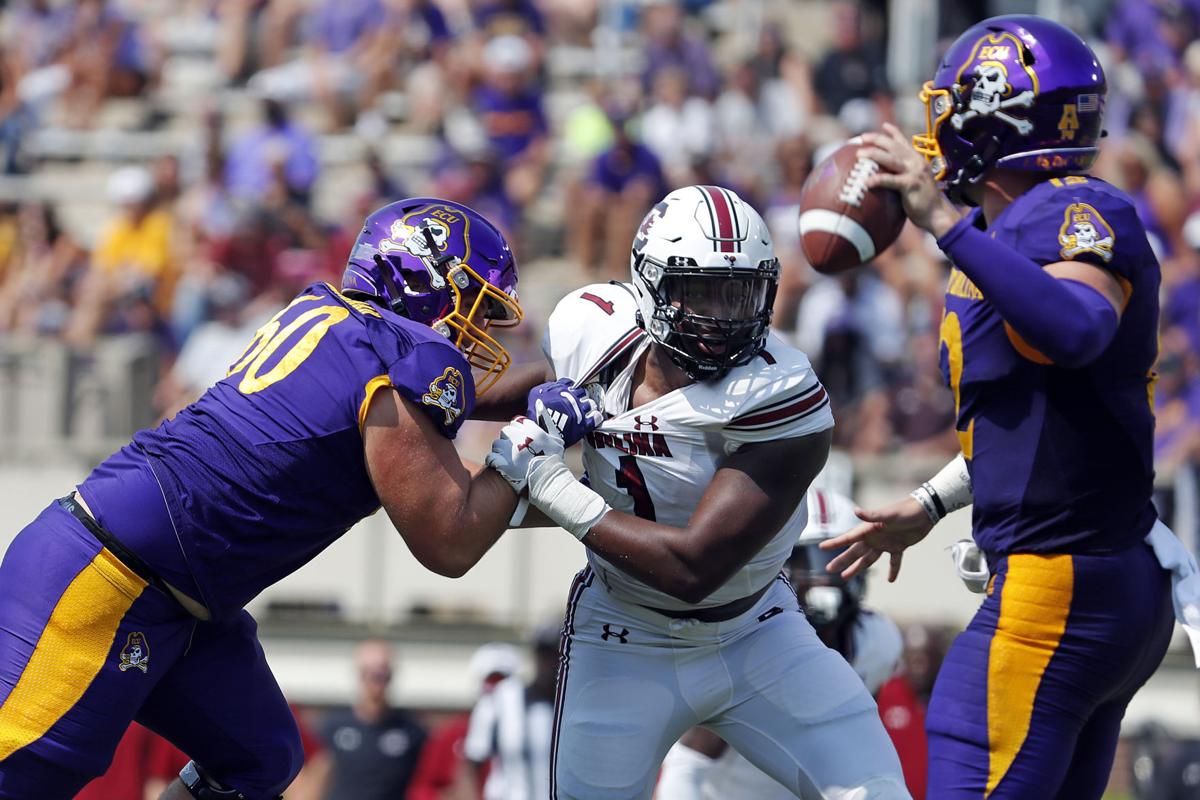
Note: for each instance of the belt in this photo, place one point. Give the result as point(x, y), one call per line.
point(722, 613)
point(126, 556)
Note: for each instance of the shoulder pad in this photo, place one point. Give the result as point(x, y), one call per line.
point(590, 328)
point(776, 396)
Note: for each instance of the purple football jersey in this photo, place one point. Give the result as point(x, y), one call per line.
point(266, 469)
point(1061, 459)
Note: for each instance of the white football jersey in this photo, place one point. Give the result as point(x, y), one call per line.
point(657, 460)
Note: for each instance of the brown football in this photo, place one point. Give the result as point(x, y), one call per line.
point(842, 223)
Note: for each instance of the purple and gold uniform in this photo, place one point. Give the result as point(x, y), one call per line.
point(238, 490)
point(235, 492)
point(1078, 615)
point(1029, 699)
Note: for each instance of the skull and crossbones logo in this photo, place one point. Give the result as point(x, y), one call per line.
point(136, 653)
point(1088, 233)
point(988, 100)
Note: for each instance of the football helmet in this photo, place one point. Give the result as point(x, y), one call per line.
point(1016, 92)
point(826, 597)
point(440, 264)
point(704, 275)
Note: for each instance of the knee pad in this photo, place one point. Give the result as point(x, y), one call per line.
point(203, 787)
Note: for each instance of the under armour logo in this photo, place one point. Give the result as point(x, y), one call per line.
point(651, 423)
point(621, 636)
point(525, 444)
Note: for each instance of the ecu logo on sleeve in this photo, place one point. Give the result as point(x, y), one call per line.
point(136, 653)
point(445, 393)
point(1085, 231)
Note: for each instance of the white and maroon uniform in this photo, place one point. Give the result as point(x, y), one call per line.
point(633, 679)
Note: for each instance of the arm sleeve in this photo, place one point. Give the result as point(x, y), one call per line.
point(1067, 321)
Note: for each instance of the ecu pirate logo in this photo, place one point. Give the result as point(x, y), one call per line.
point(992, 89)
point(1085, 231)
point(136, 653)
point(444, 393)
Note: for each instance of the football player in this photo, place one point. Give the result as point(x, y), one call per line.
point(1047, 343)
point(124, 600)
point(701, 764)
point(693, 499)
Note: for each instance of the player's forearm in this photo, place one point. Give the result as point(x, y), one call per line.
point(481, 521)
point(661, 556)
point(1068, 321)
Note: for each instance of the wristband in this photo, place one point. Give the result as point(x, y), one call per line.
point(554, 490)
point(947, 491)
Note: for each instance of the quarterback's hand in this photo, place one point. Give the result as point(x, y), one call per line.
point(564, 410)
point(890, 530)
point(906, 171)
point(519, 443)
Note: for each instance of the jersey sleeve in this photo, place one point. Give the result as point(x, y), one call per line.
point(438, 380)
point(589, 329)
point(786, 401)
point(427, 371)
point(1080, 219)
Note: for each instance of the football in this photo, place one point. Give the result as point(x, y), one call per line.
point(843, 224)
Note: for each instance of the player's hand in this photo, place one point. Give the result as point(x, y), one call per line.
point(890, 529)
point(519, 443)
point(564, 410)
point(907, 172)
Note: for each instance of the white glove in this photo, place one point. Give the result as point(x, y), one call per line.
point(553, 489)
point(521, 441)
point(970, 565)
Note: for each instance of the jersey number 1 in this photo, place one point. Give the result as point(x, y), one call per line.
point(630, 478)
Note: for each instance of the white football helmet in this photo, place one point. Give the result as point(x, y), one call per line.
point(705, 275)
point(825, 596)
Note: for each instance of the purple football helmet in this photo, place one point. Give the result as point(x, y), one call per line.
point(443, 265)
point(1014, 92)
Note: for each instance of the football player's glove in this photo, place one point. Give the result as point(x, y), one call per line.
point(519, 442)
point(563, 410)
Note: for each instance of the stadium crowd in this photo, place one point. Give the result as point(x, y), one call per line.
point(281, 123)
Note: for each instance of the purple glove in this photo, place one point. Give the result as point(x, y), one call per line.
point(563, 410)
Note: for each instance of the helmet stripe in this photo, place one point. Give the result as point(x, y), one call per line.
point(737, 226)
point(724, 213)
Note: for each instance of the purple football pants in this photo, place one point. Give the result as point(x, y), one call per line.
point(1029, 701)
point(86, 646)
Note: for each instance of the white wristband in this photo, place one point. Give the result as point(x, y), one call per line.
point(947, 491)
point(554, 490)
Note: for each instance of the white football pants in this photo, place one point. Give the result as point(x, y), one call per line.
point(633, 680)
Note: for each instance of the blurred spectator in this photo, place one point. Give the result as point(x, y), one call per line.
point(793, 157)
point(903, 700)
point(130, 284)
point(373, 745)
point(276, 160)
point(509, 105)
point(349, 51)
point(622, 185)
point(853, 69)
point(442, 770)
point(108, 56)
point(42, 270)
point(669, 46)
point(677, 127)
point(508, 17)
point(511, 728)
point(142, 766)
